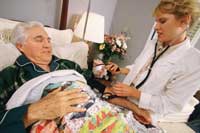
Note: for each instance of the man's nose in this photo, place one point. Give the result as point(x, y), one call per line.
point(47, 43)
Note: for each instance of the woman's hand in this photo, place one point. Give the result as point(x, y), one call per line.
point(55, 104)
point(125, 90)
point(113, 68)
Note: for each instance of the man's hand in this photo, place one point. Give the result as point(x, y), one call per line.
point(55, 104)
point(141, 115)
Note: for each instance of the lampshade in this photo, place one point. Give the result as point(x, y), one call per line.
point(94, 30)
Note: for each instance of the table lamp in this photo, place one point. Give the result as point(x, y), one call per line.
point(90, 27)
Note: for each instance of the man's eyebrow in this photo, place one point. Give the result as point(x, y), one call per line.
point(38, 36)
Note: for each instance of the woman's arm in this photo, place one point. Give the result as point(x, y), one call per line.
point(124, 70)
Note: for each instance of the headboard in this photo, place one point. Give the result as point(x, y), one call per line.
point(64, 13)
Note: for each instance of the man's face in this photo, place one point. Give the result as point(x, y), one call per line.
point(37, 46)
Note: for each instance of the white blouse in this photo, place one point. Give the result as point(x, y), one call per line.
point(173, 81)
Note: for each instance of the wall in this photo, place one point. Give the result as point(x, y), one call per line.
point(103, 7)
point(135, 18)
point(45, 11)
point(137, 21)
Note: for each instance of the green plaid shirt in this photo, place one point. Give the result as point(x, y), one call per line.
point(23, 70)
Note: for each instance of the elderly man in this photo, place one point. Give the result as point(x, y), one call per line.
point(36, 59)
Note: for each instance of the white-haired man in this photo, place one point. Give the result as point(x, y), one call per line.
point(33, 42)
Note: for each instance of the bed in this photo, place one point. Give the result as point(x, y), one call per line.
point(63, 47)
point(62, 44)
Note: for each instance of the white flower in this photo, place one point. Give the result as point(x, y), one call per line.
point(119, 43)
point(124, 46)
point(102, 46)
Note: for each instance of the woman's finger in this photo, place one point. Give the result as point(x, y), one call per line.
point(118, 89)
point(119, 85)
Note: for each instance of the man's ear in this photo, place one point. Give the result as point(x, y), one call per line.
point(19, 46)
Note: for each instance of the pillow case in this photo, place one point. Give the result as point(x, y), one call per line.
point(59, 37)
point(8, 55)
point(6, 27)
point(76, 52)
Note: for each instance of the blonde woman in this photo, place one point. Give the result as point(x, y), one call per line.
point(166, 74)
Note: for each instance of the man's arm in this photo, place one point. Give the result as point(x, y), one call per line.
point(67, 64)
point(10, 120)
point(140, 114)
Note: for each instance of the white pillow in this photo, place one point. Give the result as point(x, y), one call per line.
point(8, 55)
point(7, 24)
point(6, 27)
point(77, 52)
point(59, 37)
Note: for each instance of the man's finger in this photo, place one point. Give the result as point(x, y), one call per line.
point(141, 119)
point(77, 109)
point(55, 91)
point(68, 96)
point(71, 91)
point(71, 97)
point(76, 101)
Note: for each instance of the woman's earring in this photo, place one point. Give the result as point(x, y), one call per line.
point(187, 27)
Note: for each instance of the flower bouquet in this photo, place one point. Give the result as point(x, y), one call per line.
point(114, 46)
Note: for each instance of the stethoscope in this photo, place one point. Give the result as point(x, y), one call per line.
point(156, 57)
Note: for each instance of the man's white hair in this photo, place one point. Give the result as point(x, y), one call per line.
point(19, 34)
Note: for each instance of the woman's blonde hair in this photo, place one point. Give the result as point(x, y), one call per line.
point(179, 8)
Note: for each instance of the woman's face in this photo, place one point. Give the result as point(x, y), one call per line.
point(169, 28)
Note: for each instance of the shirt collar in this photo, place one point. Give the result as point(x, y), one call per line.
point(22, 61)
